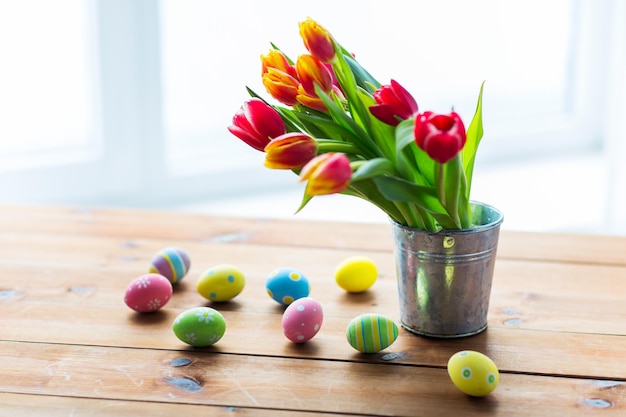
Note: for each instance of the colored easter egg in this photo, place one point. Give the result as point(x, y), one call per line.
point(371, 333)
point(148, 293)
point(199, 326)
point(473, 373)
point(356, 274)
point(172, 262)
point(221, 283)
point(302, 319)
point(285, 285)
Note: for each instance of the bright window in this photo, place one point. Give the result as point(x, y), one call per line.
point(117, 102)
point(46, 83)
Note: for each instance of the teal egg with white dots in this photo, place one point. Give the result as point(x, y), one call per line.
point(199, 326)
point(285, 285)
point(221, 283)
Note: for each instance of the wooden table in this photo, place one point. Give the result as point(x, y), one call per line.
point(69, 346)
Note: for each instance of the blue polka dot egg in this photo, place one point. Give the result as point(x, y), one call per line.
point(285, 285)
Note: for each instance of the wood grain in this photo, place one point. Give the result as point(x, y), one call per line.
point(261, 382)
point(69, 345)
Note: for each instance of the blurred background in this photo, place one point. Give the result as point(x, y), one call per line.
point(125, 103)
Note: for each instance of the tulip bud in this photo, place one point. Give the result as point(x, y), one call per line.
point(290, 151)
point(256, 123)
point(278, 60)
point(327, 173)
point(318, 41)
point(441, 136)
point(282, 86)
point(395, 104)
point(312, 71)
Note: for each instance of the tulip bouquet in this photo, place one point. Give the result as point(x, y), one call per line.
point(342, 131)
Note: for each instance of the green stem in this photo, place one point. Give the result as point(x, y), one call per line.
point(440, 182)
point(336, 146)
point(368, 191)
point(453, 174)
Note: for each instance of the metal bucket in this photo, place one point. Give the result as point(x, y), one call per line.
point(444, 278)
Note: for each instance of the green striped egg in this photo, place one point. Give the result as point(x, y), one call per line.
point(371, 333)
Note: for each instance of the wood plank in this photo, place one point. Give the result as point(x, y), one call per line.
point(527, 294)
point(514, 349)
point(123, 260)
point(179, 227)
point(25, 405)
point(328, 386)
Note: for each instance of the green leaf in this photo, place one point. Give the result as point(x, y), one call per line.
point(305, 200)
point(373, 168)
point(383, 134)
point(330, 128)
point(363, 78)
point(361, 137)
point(452, 171)
point(474, 135)
point(404, 134)
point(398, 189)
point(357, 109)
point(410, 158)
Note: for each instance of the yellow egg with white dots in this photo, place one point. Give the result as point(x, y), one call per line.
point(356, 274)
point(473, 373)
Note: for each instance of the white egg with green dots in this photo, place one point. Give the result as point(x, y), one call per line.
point(473, 373)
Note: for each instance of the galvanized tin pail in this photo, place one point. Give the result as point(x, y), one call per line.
point(444, 278)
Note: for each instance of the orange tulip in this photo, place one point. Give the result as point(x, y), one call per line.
point(278, 60)
point(318, 41)
point(312, 71)
point(282, 86)
point(327, 173)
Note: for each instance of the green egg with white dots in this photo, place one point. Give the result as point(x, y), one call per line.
point(221, 283)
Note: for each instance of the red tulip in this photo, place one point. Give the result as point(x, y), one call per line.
point(318, 41)
point(441, 136)
point(395, 104)
point(256, 123)
point(327, 173)
point(290, 151)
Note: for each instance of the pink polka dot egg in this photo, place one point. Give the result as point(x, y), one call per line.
point(302, 320)
point(148, 293)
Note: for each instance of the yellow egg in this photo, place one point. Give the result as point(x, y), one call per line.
point(221, 283)
point(356, 274)
point(473, 373)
